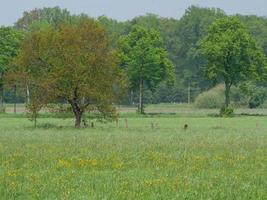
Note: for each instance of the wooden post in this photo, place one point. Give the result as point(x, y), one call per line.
point(126, 123)
point(117, 123)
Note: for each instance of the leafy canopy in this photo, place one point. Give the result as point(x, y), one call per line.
point(232, 56)
point(73, 63)
point(231, 53)
point(144, 58)
point(53, 16)
point(9, 45)
point(191, 29)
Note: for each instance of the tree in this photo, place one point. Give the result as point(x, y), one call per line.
point(189, 62)
point(167, 27)
point(73, 63)
point(114, 28)
point(257, 27)
point(145, 60)
point(53, 16)
point(9, 45)
point(231, 54)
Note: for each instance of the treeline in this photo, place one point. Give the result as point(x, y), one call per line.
point(181, 38)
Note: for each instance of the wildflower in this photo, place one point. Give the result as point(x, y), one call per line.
point(64, 163)
point(93, 162)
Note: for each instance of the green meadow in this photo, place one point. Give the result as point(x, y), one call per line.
point(215, 158)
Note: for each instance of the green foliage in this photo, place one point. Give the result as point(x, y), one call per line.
point(9, 45)
point(74, 63)
point(166, 93)
point(144, 57)
point(213, 98)
point(181, 38)
point(41, 17)
point(255, 92)
point(145, 60)
point(231, 54)
point(114, 28)
point(257, 26)
point(256, 100)
point(191, 29)
point(2, 109)
point(227, 112)
point(167, 27)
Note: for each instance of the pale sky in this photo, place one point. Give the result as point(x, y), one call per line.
point(11, 10)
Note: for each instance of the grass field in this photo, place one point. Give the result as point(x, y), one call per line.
point(216, 158)
point(181, 109)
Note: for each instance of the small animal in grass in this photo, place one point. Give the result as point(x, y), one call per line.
point(185, 127)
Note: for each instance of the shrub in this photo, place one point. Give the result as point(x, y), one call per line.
point(257, 98)
point(256, 101)
point(263, 105)
point(2, 109)
point(213, 98)
point(226, 112)
point(255, 93)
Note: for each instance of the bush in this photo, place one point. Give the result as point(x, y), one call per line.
point(238, 97)
point(255, 93)
point(213, 98)
point(256, 101)
point(227, 112)
point(257, 98)
point(2, 109)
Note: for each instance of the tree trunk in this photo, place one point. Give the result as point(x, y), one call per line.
point(76, 108)
point(2, 95)
point(78, 113)
point(27, 94)
point(131, 98)
point(141, 105)
point(227, 94)
point(35, 119)
point(15, 99)
point(78, 119)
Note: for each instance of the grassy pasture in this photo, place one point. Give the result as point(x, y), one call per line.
point(214, 159)
point(180, 109)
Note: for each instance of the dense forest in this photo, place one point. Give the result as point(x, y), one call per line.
point(181, 38)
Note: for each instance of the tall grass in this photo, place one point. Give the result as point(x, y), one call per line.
point(214, 159)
